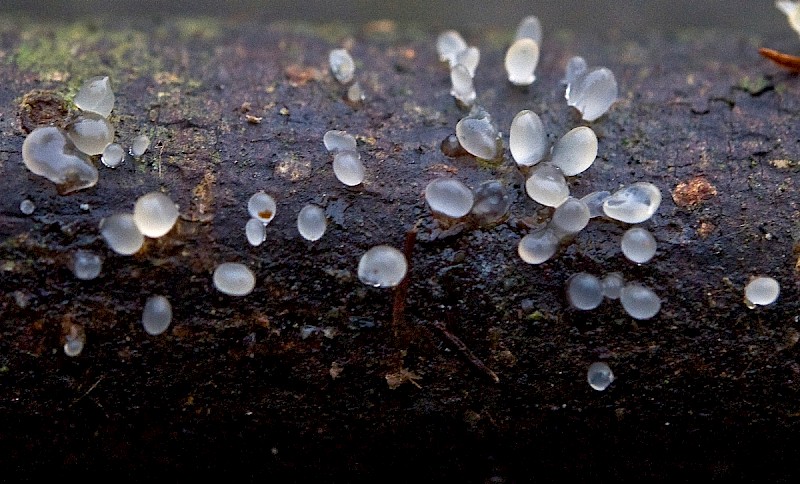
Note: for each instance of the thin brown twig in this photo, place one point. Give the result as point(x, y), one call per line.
point(786, 61)
point(88, 391)
point(462, 347)
point(401, 292)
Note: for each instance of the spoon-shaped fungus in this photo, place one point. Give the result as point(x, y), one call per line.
point(342, 66)
point(612, 285)
point(49, 153)
point(575, 152)
point(86, 265)
point(155, 214)
point(311, 222)
point(382, 266)
point(592, 92)
point(255, 231)
point(74, 341)
point(448, 45)
point(348, 168)
point(262, 207)
point(96, 96)
point(469, 58)
point(26, 207)
point(570, 217)
point(355, 93)
point(113, 155)
point(157, 315)
point(491, 202)
point(521, 60)
point(477, 135)
point(538, 246)
point(530, 27)
point(576, 67)
point(90, 133)
point(792, 12)
point(761, 291)
point(584, 291)
point(638, 245)
point(546, 185)
point(449, 197)
point(527, 139)
point(599, 376)
point(463, 89)
point(639, 301)
point(595, 201)
point(633, 204)
point(139, 145)
point(234, 279)
point(336, 141)
point(121, 234)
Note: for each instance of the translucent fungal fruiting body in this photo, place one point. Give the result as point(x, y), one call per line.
point(638, 245)
point(74, 341)
point(576, 67)
point(593, 93)
point(342, 66)
point(96, 96)
point(155, 214)
point(639, 301)
point(448, 45)
point(792, 12)
point(311, 222)
point(538, 246)
point(584, 291)
point(761, 291)
point(86, 265)
point(633, 204)
point(575, 152)
point(530, 27)
point(612, 285)
point(527, 139)
point(157, 315)
point(521, 60)
point(355, 93)
point(113, 155)
point(451, 147)
point(336, 141)
point(139, 145)
point(547, 185)
point(570, 217)
point(348, 168)
point(382, 266)
point(121, 234)
point(462, 89)
point(255, 231)
point(469, 58)
point(90, 133)
point(26, 207)
point(478, 136)
point(599, 376)
point(491, 202)
point(449, 197)
point(49, 153)
point(262, 207)
point(234, 279)
point(595, 202)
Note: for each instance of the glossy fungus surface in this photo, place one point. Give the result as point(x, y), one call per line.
point(633, 204)
point(26, 207)
point(448, 45)
point(113, 155)
point(311, 222)
point(96, 96)
point(121, 234)
point(336, 140)
point(262, 206)
point(639, 302)
point(570, 217)
point(157, 315)
point(527, 140)
point(86, 265)
point(491, 201)
point(49, 153)
point(638, 245)
point(90, 133)
point(529, 27)
point(449, 197)
point(592, 93)
point(599, 376)
point(382, 266)
point(521, 60)
point(584, 291)
point(478, 135)
point(612, 285)
point(255, 231)
point(342, 66)
point(462, 88)
point(538, 246)
point(234, 279)
point(762, 291)
point(139, 145)
point(348, 168)
point(575, 152)
point(155, 214)
point(547, 185)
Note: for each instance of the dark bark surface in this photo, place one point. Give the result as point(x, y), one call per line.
point(379, 388)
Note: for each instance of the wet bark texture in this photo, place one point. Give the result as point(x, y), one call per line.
point(314, 375)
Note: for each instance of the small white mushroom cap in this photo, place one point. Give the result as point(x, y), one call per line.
point(478, 136)
point(633, 204)
point(449, 197)
point(521, 60)
point(90, 133)
point(469, 58)
point(157, 315)
point(576, 67)
point(599, 376)
point(761, 291)
point(311, 222)
point(638, 245)
point(530, 27)
point(255, 231)
point(593, 93)
point(448, 45)
point(155, 214)
point(382, 266)
point(792, 12)
point(538, 246)
point(262, 207)
point(96, 96)
point(139, 145)
point(26, 207)
point(584, 291)
point(74, 341)
point(576, 151)
point(527, 140)
point(49, 153)
point(570, 217)
point(348, 168)
point(113, 155)
point(342, 66)
point(463, 89)
point(86, 265)
point(612, 285)
point(121, 234)
point(595, 201)
point(234, 279)
point(336, 140)
point(355, 93)
point(547, 185)
point(639, 302)
point(491, 201)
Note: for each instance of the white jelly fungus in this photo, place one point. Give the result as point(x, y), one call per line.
point(612, 285)
point(595, 201)
point(255, 231)
point(638, 245)
point(74, 341)
point(570, 217)
point(477, 135)
point(336, 141)
point(355, 93)
point(26, 207)
point(547, 185)
point(575, 152)
point(491, 202)
point(155, 214)
point(49, 153)
point(469, 58)
point(311, 222)
point(448, 45)
point(90, 133)
point(157, 315)
point(86, 265)
point(234, 279)
point(449, 197)
point(96, 96)
point(599, 376)
point(633, 204)
point(348, 168)
point(382, 266)
point(139, 145)
point(538, 246)
point(262, 207)
point(121, 234)
point(530, 27)
point(792, 11)
point(761, 291)
point(639, 302)
point(521, 60)
point(462, 87)
point(584, 291)
point(113, 155)
point(527, 140)
point(342, 66)
point(592, 92)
